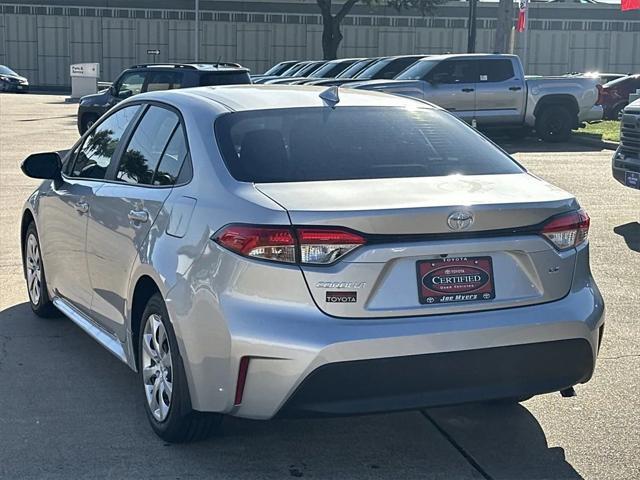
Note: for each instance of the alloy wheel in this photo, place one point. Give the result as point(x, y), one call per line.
point(157, 367)
point(34, 269)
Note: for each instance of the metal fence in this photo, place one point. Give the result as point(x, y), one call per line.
point(41, 41)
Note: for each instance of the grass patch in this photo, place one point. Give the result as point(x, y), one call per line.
point(605, 130)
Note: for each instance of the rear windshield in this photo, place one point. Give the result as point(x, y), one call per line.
point(225, 78)
point(346, 143)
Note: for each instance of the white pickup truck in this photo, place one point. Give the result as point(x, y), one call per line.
point(491, 91)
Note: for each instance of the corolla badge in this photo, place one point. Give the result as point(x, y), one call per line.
point(460, 220)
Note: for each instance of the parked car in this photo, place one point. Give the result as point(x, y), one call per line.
point(384, 68)
point(614, 96)
point(299, 70)
point(602, 77)
point(491, 91)
point(328, 70)
point(10, 81)
point(324, 68)
point(152, 77)
point(626, 160)
point(277, 70)
point(347, 73)
point(292, 250)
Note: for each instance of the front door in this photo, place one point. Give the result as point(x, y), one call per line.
point(452, 85)
point(67, 209)
point(124, 212)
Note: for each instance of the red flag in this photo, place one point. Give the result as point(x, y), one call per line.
point(630, 5)
point(522, 15)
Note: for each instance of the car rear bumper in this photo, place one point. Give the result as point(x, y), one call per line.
point(416, 381)
point(302, 361)
point(625, 166)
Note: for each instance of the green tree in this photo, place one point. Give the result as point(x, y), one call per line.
point(332, 22)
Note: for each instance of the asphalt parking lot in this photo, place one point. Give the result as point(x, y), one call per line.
point(68, 409)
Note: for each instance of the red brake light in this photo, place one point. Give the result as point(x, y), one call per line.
point(271, 243)
point(568, 230)
point(284, 244)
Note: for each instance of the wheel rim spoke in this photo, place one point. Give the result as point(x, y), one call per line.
point(34, 269)
point(157, 367)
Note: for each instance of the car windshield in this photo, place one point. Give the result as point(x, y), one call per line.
point(347, 143)
point(418, 70)
point(351, 71)
point(369, 72)
point(331, 69)
point(309, 69)
point(278, 68)
point(6, 71)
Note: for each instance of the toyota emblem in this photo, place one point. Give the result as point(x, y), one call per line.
point(460, 220)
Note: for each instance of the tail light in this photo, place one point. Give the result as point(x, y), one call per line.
point(568, 230)
point(316, 246)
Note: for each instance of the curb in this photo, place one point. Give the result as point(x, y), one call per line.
point(594, 142)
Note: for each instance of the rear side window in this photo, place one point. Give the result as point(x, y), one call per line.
point(172, 159)
point(147, 145)
point(225, 78)
point(97, 151)
point(495, 70)
point(317, 144)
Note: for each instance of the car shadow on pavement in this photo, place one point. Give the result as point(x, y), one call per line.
point(631, 234)
point(68, 409)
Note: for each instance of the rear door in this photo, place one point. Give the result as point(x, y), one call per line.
point(124, 210)
point(452, 85)
point(500, 95)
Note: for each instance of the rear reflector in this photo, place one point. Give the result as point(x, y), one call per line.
point(568, 230)
point(242, 379)
point(318, 246)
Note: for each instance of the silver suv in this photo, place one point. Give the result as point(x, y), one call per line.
point(295, 251)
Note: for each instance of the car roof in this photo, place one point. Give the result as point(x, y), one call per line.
point(267, 97)
point(207, 67)
point(462, 56)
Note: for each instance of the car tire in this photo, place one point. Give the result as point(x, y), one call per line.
point(164, 383)
point(616, 112)
point(554, 124)
point(34, 275)
point(88, 119)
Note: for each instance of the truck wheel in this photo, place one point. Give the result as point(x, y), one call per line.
point(554, 124)
point(34, 275)
point(88, 119)
point(616, 112)
point(164, 383)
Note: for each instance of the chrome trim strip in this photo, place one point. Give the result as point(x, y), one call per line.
point(105, 339)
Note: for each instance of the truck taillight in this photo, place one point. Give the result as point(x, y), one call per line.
point(568, 230)
point(317, 246)
point(600, 99)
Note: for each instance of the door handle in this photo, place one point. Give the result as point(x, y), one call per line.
point(82, 206)
point(468, 89)
point(515, 89)
point(138, 216)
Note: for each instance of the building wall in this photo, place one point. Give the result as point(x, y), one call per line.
point(41, 41)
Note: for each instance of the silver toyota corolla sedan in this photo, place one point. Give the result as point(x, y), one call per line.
point(267, 251)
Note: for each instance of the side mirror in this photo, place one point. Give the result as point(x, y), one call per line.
point(112, 90)
point(43, 165)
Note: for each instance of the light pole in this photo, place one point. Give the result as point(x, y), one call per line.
point(471, 40)
point(196, 35)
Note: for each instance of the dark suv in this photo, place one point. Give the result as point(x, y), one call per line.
point(151, 77)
